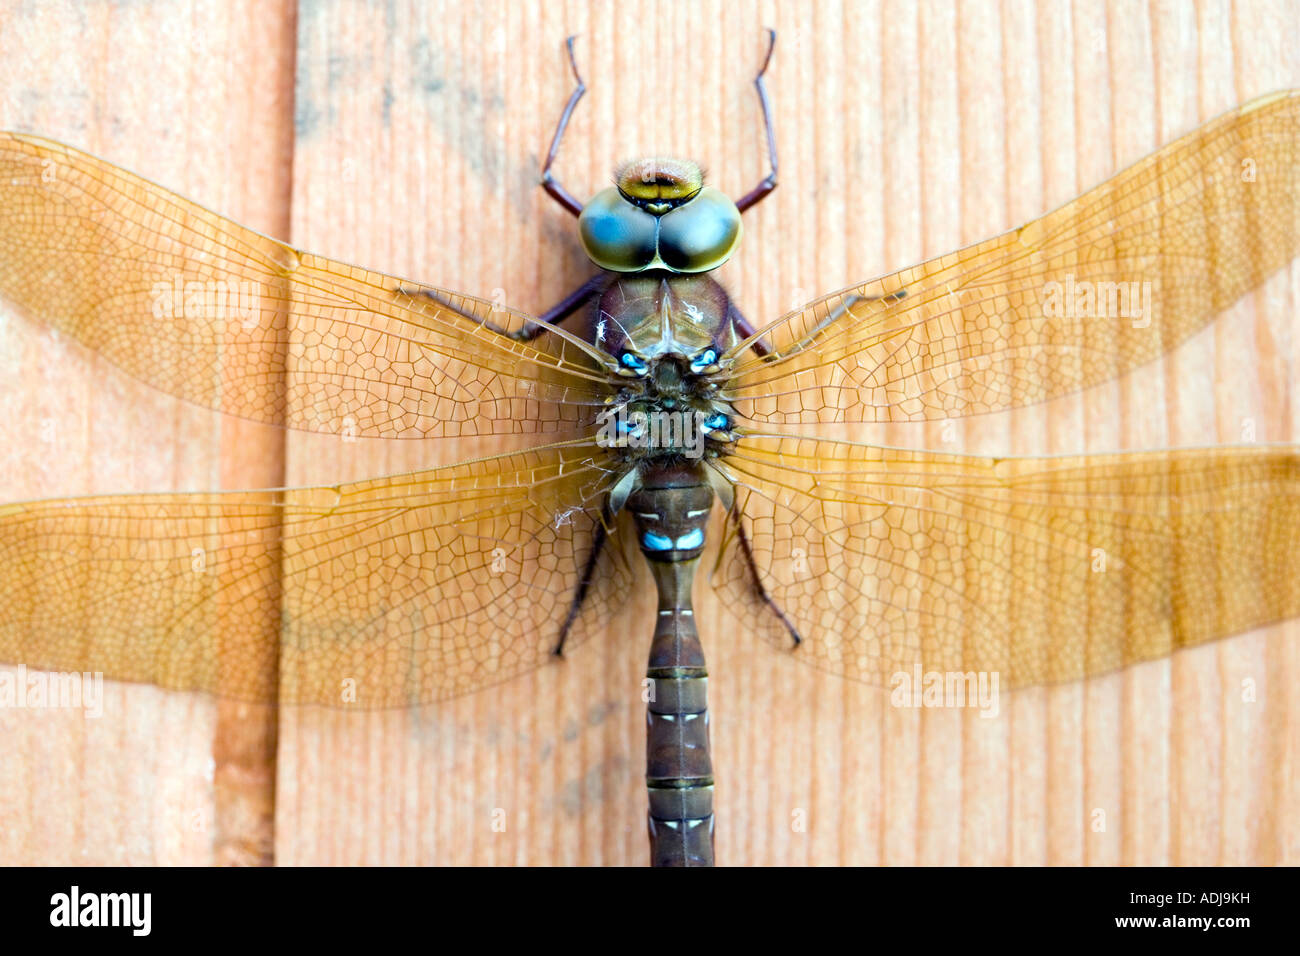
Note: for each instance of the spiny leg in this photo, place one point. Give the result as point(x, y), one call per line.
point(558, 312)
point(584, 583)
point(834, 316)
point(759, 192)
point(552, 185)
point(590, 289)
point(744, 328)
point(748, 552)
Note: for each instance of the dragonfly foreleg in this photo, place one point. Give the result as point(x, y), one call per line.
point(760, 192)
point(562, 310)
point(748, 552)
point(584, 583)
point(565, 307)
point(552, 185)
point(834, 316)
point(744, 328)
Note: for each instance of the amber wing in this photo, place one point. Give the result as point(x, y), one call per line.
point(1041, 570)
point(222, 316)
point(1100, 286)
point(378, 593)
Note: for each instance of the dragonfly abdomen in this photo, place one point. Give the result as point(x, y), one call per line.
point(679, 771)
point(671, 508)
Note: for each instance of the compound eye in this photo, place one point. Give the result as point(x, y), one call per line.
point(616, 234)
point(705, 359)
point(633, 362)
point(701, 234)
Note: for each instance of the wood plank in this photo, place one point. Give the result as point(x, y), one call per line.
point(197, 98)
point(904, 131)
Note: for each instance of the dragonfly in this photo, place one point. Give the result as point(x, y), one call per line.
point(660, 402)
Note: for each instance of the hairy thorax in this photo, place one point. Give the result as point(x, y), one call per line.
point(668, 335)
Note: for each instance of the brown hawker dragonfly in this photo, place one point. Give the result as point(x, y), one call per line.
point(419, 587)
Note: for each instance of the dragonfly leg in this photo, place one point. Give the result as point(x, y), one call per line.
point(748, 552)
point(744, 328)
point(584, 584)
point(552, 185)
point(759, 192)
point(562, 310)
point(834, 316)
point(565, 307)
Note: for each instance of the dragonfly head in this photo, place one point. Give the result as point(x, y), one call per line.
point(659, 215)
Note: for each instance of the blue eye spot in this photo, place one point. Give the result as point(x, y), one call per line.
point(716, 423)
point(656, 542)
point(691, 540)
point(633, 362)
point(704, 360)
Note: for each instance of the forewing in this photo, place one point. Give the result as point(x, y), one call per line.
point(379, 593)
point(226, 318)
point(1100, 286)
point(1041, 570)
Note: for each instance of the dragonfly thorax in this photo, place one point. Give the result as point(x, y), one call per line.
point(642, 318)
point(668, 415)
point(666, 338)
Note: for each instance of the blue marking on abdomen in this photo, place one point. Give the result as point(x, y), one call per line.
point(656, 542)
point(691, 540)
point(688, 542)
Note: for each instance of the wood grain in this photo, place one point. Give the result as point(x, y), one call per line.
point(201, 100)
point(407, 137)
